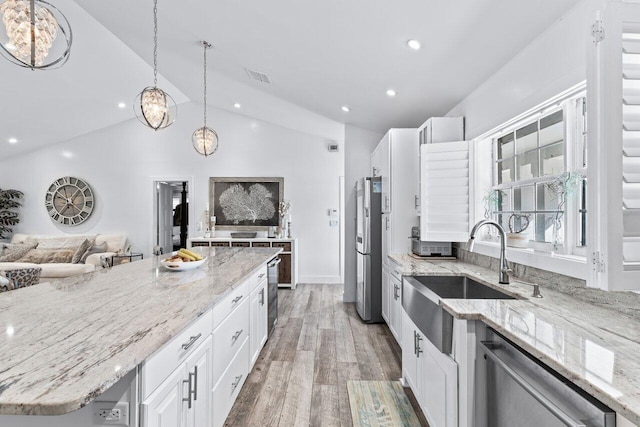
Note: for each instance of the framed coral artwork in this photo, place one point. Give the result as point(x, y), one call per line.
point(245, 203)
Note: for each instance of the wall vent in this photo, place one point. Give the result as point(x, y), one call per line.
point(256, 75)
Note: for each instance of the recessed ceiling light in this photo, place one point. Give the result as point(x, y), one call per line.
point(236, 105)
point(346, 109)
point(121, 105)
point(414, 44)
point(391, 92)
point(13, 140)
point(67, 154)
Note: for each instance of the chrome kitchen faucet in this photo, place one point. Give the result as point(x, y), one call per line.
point(503, 274)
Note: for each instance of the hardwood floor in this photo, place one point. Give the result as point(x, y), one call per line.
point(319, 343)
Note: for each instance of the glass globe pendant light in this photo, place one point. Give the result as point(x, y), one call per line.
point(154, 107)
point(205, 139)
point(35, 34)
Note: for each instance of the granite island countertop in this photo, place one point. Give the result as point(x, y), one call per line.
point(64, 343)
point(578, 333)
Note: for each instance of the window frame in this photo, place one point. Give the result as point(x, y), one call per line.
point(571, 260)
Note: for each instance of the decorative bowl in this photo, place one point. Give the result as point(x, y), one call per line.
point(181, 266)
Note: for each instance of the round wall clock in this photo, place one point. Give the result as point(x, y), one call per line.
point(69, 201)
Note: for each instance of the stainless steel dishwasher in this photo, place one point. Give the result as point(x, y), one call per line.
point(272, 292)
point(521, 392)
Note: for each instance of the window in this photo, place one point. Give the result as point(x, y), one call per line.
point(539, 183)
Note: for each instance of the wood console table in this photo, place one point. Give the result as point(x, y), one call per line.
point(288, 269)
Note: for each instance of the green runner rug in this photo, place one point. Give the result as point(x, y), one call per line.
point(380, 404)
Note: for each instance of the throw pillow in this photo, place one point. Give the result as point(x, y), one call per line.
point(47, 256)
point(12, 252)
point(95, 249)
point(84, 247)
point(23, 277)
point(5, 284)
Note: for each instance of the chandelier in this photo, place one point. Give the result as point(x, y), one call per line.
point(154, 107)
point(36, 34)
point(205, 139)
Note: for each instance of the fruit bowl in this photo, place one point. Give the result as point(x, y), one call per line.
point(174, 265)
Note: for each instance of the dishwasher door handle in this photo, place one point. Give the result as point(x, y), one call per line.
point(274, 263)
point(544, 401)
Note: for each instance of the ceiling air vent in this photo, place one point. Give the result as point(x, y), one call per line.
point(256, 75)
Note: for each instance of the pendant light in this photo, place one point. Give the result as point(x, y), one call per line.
point(34, 34)
point(205, 139)
point(154, 107)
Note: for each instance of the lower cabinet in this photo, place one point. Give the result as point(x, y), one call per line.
point(395, 306)
point(188, 384)
point(259, 318)
point(432, 375)
point(227, 389)
point(386, 294)
point(183, 398)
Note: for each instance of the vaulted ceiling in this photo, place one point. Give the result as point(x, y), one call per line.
point(319, 55)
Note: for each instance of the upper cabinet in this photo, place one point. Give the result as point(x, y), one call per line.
point(443, 199)
point(441, 129)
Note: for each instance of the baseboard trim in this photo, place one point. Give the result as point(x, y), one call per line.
point(319, 279)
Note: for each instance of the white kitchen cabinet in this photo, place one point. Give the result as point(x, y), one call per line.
point(444, 191)
point(199, 369)
point(386, 294)
point(164, 407)
point(441, 129)
point(258, 315)
point(395, 306)
point(394, 160)
point(227, 389)
point(183, 399)
point(432, 375)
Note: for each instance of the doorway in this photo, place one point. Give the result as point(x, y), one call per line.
point(171, 215)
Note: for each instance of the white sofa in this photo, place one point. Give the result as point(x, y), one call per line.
point(115, 243)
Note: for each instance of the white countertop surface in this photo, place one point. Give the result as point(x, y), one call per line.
point(64, 343)
point(580, 333)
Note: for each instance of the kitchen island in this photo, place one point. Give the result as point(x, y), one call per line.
point(588, 336)
point(65, 343)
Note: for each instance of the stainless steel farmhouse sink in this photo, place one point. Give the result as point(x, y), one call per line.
point(421, 297)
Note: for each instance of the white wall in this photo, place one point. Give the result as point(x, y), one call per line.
point(550, 64)
point(120, 162)
point(359, 143)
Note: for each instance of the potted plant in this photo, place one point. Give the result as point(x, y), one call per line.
point(10, 201)
point(563, 187)
point(517, 224)
point(492, 201)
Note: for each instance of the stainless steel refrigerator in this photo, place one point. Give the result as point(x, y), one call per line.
point(369, 249)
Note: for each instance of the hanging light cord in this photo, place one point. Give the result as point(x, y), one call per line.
point(155, 43)
point(206, 45)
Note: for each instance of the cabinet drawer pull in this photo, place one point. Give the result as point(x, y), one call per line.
point(190, 388)
point(236, 382)
point(236, 335)
point(395, 292)
point(261, 275)
point(191, 342)
point(418, 349)
point(236, 299)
